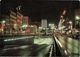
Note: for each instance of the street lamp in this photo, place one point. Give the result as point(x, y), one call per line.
point(70, 22)
point(61, 16)
point(3, 21)
point(77, 18)
point(64, 12)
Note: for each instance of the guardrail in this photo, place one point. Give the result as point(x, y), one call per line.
point(69, 45)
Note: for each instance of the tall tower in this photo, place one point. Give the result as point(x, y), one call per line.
point(44, 23)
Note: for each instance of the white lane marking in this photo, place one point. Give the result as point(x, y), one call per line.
point(51, 51)
point(20, 47)
point(17, 38)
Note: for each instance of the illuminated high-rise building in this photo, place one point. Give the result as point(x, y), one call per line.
point(26, 20)
point(25, 23)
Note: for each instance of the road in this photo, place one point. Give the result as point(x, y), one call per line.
point(39, 46)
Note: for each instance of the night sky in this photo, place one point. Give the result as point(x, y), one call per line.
point(39, 9)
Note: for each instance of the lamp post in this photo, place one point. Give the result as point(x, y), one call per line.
point(3, 25)
point(77, 19)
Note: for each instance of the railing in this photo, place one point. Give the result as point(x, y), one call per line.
point(69, 45)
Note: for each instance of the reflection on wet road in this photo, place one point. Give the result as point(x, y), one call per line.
point(39, 48)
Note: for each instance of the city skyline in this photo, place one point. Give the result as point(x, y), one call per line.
point(37, 10)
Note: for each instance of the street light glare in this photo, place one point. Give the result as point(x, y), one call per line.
point(3, 21)
point(77, 17)
point(61, 16)
point(70, 22)
point(24, 26)
point(32, 26)
point(64, 12)
point(40, 27)
point(51, 24)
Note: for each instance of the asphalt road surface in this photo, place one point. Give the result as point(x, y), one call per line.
point(39, 47)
